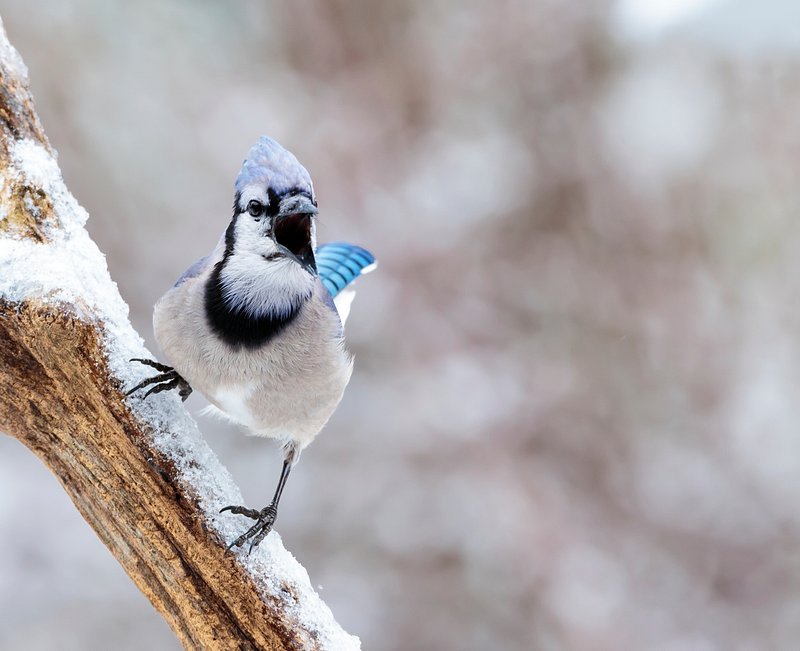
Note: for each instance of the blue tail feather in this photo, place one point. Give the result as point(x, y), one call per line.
point(339, 264)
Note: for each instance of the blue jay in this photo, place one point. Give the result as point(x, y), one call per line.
point(257, 325)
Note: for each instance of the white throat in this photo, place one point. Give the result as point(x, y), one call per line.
point(259, 287)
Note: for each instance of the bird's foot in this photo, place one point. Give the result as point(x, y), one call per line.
point(167, 379)
point(264, 518)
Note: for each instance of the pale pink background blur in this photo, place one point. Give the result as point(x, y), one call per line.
point(573, 422)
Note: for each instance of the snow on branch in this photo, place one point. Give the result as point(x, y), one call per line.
point(139, 472)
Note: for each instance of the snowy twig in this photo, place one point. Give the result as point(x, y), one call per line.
point(138, 472)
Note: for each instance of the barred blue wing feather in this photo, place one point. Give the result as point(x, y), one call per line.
point(339, 264)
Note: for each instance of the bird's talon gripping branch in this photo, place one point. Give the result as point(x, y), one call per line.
point(168, 379)
point(264, 518)
point(242, 510)
point(153, 363)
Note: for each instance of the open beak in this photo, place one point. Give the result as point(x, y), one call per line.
point(291, 230)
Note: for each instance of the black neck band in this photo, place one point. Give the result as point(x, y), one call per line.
point(236, 327)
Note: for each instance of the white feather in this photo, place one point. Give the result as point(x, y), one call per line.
point(258, 287)
point(343, 300)
point(232, 403)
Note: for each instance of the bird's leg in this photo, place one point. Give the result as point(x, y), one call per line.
point(168, 379)
point(264, 518)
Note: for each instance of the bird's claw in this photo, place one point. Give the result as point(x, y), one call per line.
point(253, 514)
point(264, 518)
point(168, 379)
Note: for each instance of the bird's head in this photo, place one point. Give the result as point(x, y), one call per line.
point(274, 207)
point(270, 242)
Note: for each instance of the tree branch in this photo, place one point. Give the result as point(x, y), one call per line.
point(139, 473)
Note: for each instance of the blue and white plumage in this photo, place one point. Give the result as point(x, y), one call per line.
point(268, 165)
point(339, 264)
point(257, 325)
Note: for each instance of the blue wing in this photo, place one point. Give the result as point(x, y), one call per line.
point(339, 264)
point(195, 270)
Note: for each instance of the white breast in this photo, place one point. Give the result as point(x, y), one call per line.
point(232, 401)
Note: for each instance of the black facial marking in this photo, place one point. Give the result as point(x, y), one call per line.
point(275, 199)
point(274, 203)
point(236, 199)
point(230, 237)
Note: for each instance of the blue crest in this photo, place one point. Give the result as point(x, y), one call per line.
point(269, 165)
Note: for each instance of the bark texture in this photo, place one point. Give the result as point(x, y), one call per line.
point(59, 397)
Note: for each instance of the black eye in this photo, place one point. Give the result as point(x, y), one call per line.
point(255, 208)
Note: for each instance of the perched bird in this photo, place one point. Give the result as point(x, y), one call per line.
point(256, 326)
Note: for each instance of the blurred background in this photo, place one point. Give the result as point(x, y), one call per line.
point(573, 422)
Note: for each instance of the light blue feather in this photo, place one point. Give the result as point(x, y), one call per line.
point(339, 264)
point(268, 165)
point(195, 270)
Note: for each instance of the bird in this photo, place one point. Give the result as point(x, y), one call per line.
point(257, 325)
